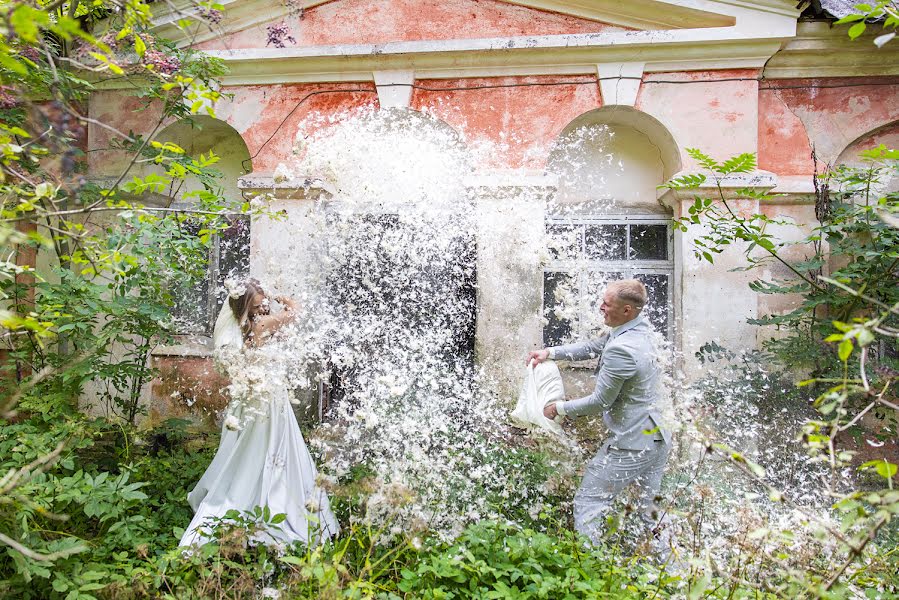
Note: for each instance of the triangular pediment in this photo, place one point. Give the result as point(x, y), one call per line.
point(340, 22)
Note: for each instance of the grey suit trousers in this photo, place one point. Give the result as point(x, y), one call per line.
point(610, 471)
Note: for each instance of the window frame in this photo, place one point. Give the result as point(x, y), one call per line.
point(215, 296)
point(583, 265)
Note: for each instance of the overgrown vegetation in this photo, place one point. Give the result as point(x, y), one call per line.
point(845, 327)
point(93, 507)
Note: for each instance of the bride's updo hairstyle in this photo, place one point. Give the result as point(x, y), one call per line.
point(242, 304)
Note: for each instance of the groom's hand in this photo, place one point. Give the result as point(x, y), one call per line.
point(537, 356)
point(550, 412)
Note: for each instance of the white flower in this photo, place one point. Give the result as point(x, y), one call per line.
point(270, 592)
point(234, 289)
point(232, 423)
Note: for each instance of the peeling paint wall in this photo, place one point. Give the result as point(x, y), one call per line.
point(715, 111)
point(827, 115)
point(519, 117)
point(380, 21)
point(511, 123)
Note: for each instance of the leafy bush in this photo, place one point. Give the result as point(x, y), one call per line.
point(112, 499)
point(493, 560)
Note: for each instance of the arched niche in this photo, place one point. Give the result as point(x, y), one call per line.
point(611, 160)
point(887, 135)
point(427, 128)
point(204, 135)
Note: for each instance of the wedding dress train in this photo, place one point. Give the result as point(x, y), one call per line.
point(262, 459)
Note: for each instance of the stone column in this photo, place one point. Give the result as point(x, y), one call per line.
point(510, 230)
point(712, 300)
point(284, 244)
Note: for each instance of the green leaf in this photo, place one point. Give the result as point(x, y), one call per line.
point(856, 30)
point(849, 19)
point(845, 350)
point(139, 46)
point(883, 468)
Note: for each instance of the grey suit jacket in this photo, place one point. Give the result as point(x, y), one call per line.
point(627, 385)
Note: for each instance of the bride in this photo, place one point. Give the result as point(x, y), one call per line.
point(262, 459)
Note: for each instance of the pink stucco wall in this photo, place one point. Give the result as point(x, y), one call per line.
point(714, 111)
point(519, 123)
point(124, 112)
point(379, 21)
point(796, 115)
point(518, 118)
point(268, 117)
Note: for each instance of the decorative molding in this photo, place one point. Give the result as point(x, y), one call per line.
point(547, 55)
point(819, 50)
point(307, 188)
point(511, 185)
point(637, 14)
point(730, 186)
point(792, 190)
point(394, 87)
point(620, 82)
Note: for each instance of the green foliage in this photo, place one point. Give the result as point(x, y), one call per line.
point(88, 281)
point(854, 307)
point(884, 11)
point(119, 501)
point(491, 560)
point(854, 240)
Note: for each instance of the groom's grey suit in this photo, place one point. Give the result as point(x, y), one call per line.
point(626, 394)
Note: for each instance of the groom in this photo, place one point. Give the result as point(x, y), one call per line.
point(626, 394)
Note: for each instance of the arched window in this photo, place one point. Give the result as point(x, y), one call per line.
point(606, 223)
point(197, 305)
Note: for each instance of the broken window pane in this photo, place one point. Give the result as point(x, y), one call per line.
point(649, 242)
point(605, 242)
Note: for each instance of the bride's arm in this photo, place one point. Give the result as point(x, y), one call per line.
point(264, 326)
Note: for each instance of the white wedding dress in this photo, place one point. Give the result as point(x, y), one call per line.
point(262, 459)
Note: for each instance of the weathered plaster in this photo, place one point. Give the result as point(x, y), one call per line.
point(619, 166)
point(715, 300)
point(716, 112)
point(510, 281)
point(126, 113)
point(338, 22)
point(515, 125)
point(825, 114)
point(269, 117)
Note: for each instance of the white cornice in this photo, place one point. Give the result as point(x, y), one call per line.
point(819, 50)
point(560, 54)
point(266, 66)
